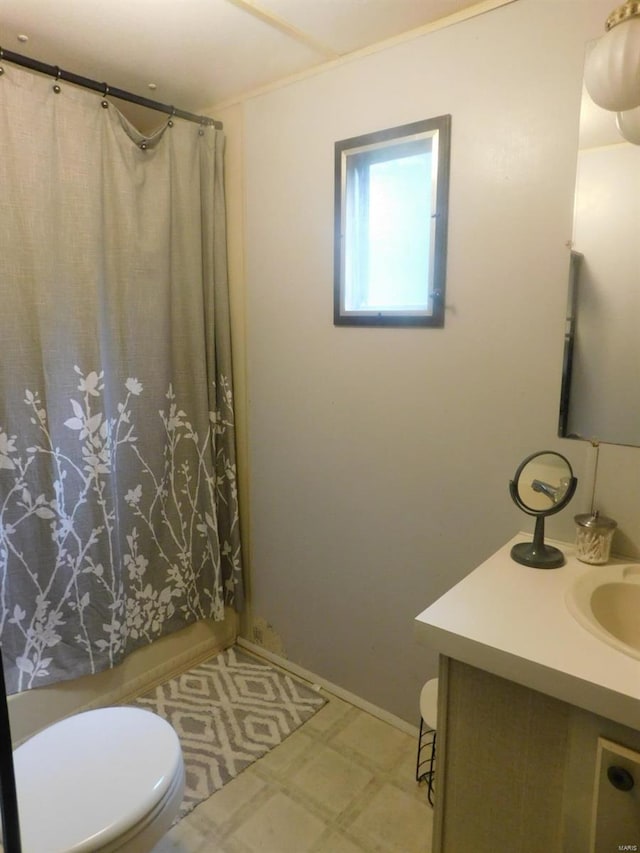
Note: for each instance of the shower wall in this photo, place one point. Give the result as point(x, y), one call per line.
point(33, 710)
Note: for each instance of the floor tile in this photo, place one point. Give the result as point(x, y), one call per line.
point(375, 741)
point(331, 780)
point(287, 755)
point(342, 783)
point(404, 774)
point(393, 819)
point(338, 843)
point(333, 712)
point(280, 826)
point(240, 794)
point(183, 838)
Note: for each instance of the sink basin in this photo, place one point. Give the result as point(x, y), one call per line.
point(606, 601)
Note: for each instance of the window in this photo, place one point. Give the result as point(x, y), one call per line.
point(391, 198)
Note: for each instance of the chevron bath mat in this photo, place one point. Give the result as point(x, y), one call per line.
point(228, 712)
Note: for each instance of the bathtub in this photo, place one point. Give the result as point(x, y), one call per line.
point(35, 709)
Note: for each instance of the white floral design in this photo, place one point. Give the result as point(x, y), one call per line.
point(126, 547)
point(7, 447)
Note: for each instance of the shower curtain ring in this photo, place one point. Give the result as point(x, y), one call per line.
point(173, 112)
point(56, 87)
point(105, 89)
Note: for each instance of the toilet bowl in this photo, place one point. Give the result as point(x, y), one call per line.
point(105, 780)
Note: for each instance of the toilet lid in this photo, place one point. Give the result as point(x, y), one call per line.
point(86, 780)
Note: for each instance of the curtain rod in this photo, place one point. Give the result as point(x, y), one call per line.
point(87, 83)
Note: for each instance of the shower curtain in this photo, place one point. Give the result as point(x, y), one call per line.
point(118, 502)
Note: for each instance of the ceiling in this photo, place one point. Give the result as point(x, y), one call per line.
point(195, 54)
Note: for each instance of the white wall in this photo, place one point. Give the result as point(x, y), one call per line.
point(378, 459)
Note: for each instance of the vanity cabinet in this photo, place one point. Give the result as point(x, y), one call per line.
point(526, 695)
point(516, 770)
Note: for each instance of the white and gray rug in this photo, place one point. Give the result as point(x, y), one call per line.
point(228, 712)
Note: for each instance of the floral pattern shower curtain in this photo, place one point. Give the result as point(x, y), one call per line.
point(118, 502)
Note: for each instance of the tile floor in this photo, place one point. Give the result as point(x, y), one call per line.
point(342, 783)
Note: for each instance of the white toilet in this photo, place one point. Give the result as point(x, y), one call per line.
point(105, 780)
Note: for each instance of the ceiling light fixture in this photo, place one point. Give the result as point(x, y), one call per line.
point(628, 124)
point(612, 69)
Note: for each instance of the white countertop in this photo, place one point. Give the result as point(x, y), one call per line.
point(513, 621)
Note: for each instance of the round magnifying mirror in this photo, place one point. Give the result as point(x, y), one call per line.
point(543, 485)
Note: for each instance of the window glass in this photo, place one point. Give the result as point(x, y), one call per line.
point(391, 199)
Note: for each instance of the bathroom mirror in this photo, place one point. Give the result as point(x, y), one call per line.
point(543, 485)
point(600, 399)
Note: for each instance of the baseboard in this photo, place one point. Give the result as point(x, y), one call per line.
point(340, 692)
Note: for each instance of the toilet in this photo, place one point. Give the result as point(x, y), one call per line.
point(106, 780)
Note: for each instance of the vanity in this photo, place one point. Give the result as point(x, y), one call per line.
point(533, 696)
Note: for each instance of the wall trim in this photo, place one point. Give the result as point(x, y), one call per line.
point(283, 26)
point(455, 18)
point(329, 686)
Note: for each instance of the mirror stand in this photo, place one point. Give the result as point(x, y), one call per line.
point(543, 485)
point(536, 553)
